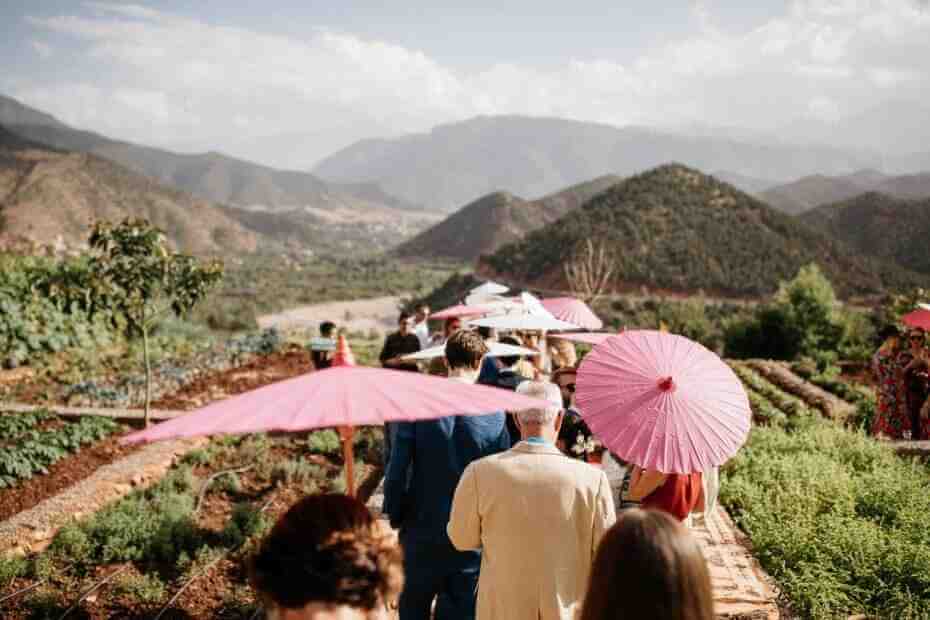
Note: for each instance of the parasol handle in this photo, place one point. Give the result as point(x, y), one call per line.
point(347, 435)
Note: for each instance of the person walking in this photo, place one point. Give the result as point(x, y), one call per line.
point(400, 343)
point(421, 325)
point(323, 349)
point(426, 463)
point(507, 378)
point(676, 494)
point(537, 517)
point(649, 566)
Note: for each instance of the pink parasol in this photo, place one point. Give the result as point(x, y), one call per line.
point(593, 338)
point(344, 396)
point(918, 318)
point(572, 311)
point(663, 402)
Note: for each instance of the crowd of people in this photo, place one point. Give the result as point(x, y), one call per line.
point(900, 367)
point(502, 515)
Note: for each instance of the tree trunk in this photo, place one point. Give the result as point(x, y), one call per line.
point(148, 373)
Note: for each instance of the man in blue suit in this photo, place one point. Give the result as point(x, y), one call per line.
point(426, 463)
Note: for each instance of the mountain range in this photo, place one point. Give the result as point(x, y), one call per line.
point(879, 225)
point(677, 229)
point(492, 221)
point(454, 164)
point(812, 191)
point(211, 176)
point(53, 197)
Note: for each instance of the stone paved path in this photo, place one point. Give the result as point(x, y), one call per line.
point(742, 590)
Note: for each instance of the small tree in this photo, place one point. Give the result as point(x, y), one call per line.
point(143, 280)
point(588, 272)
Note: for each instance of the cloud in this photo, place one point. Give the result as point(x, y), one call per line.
point(168, 77)
point(43, 49)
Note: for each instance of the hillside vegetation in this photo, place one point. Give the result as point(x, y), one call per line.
point(675, 228)
point(496, 220)
point(49, 197)
point(881, 226)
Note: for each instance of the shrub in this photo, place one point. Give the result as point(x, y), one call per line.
point(11, 568)
point(147, 589)
point(837, 519)
point(244, 522)
point(324, 442)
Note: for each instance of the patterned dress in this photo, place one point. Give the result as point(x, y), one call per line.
point(913, 392)
point(891, 417)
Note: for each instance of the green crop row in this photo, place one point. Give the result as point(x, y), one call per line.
point(763, 411)
point(830, 381)
point(15, 424)
point(34, 451)
point(790, 405)
point(837, 519)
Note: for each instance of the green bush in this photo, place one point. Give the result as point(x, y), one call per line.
point(324, 442)
point(804, 318)
point(11, 568)
point(836, 518)
point(244, 522)
point(147, 589)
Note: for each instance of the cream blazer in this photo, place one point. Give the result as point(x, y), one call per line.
point(537, 517)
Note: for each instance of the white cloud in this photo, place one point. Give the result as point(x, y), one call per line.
point(43, 49)
point(164, 77)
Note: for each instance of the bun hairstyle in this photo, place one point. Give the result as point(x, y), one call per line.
point(327, 549)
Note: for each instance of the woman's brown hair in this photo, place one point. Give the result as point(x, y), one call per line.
point(327, 549)
point(648, 566)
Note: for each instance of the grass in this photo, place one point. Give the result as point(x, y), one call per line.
point(836, 518)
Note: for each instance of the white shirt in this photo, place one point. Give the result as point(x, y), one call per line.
point(421, 330)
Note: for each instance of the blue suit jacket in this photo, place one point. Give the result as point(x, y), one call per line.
point(426, 462)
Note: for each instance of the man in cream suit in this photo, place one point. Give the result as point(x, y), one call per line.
point(536, 515)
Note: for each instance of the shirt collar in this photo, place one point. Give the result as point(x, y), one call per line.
point(538, 441)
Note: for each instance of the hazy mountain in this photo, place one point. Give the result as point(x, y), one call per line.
point(453, 164)
point(212, 176)
point(879, 225)
point(49, 197)
point(12, 112)
point(486, 224)
point(894, 128)
point(674, 228)
point(750, 185)
point(809, 192)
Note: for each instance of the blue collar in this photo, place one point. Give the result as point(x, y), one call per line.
point(538, 441)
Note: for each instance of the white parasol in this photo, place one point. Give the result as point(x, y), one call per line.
point(497, 349)
point(489, 288)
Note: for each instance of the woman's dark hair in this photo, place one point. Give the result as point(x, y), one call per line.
point(465, 349)
point(326, 549)
point(510, 360)
point(888, 331)
point(326, 328)
point(648, 566)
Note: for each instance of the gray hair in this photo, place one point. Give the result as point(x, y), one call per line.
point(543, 391)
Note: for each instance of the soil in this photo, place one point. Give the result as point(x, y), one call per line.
point(256, 373)
point(61, 475)
point(222, 592)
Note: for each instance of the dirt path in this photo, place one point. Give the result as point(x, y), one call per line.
point(364, 315)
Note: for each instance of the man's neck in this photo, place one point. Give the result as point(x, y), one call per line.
point(464, 375)
point(547, 435)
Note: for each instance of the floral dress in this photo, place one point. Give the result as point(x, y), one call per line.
point(891, 417)
point(913, 392)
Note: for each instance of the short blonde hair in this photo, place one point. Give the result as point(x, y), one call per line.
point(544, 391)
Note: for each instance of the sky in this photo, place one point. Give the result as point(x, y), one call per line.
point(290, 82)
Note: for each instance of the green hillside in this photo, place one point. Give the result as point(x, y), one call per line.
point(880, 226)
point(497, 219)
point(675, 228)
